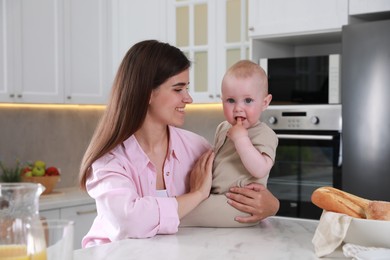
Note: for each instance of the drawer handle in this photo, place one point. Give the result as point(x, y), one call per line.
point(86, 212)
point(305, 137)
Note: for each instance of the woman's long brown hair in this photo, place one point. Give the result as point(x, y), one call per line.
point(146, 66)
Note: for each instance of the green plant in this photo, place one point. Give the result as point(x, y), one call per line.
point(10, 174)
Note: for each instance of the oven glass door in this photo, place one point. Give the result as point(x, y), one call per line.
point(304, 162)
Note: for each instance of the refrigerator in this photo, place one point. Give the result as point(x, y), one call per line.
point(365, 84)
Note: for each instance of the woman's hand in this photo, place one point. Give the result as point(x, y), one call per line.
point(200, 184)
point(201, 174)
point(255, 200)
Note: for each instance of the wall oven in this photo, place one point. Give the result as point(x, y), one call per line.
point(309, 155)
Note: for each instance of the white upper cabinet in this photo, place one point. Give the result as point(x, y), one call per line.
point(32, 61)
point(134, 21)
point(5, 92)
point(285, 18)
point(213, 35)
point(357, 7)
point(68, 51)
point(87, 44)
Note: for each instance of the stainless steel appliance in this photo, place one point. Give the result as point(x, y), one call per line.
point(308, 155)
point(366, 109)
point(303, 80)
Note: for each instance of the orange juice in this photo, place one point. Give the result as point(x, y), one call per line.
point(19, 252)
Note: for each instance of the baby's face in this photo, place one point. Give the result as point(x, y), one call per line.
point(244, 98)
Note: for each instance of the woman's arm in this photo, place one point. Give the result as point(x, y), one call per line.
point(140, 216)
point(254, 199)
point(200, 185)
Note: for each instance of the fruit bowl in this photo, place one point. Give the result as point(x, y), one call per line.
point(48, 181)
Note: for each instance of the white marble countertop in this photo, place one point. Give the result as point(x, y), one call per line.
point(273, 238)
point(65, 197)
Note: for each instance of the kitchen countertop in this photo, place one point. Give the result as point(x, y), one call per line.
point(65, 197)
point(273, 238)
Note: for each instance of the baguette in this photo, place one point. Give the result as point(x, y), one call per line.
point(379, 210)
point(332, 199)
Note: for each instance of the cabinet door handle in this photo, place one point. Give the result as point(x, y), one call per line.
point(85, 212)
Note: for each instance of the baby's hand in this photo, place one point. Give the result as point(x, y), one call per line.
point(237, 131)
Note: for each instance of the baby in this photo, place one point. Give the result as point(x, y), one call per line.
point(244, 147)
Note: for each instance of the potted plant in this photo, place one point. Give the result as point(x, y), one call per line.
point(9, 174)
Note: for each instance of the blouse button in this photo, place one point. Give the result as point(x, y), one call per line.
point(167, 173)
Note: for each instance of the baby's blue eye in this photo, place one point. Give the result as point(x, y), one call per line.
point(230, 100)
point(248, 100)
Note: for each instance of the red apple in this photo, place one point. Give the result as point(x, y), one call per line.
point(26, 171)
point(52, 171)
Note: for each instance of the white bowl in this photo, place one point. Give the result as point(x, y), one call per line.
point(370, 233)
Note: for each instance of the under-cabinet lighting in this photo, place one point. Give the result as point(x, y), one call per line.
point(99, 107)
point(204, 106)
point(52, 106)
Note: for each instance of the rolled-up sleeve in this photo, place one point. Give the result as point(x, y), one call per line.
point(169, 220)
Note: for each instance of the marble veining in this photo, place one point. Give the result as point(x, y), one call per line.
point(273, 238)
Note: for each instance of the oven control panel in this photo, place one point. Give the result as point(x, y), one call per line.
point(300, 117)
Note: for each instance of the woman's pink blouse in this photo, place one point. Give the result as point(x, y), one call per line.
point(123, 184)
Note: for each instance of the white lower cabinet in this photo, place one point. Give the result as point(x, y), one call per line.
point(50, 214)
point(82, 216)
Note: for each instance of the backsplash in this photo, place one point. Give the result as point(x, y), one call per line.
point(59, 136)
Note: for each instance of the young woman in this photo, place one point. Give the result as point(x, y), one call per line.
point(144, 173)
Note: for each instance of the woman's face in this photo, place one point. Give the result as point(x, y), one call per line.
point(168, 101)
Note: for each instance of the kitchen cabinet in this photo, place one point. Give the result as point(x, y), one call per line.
point(72, 204)
point(280, 29)
point(280, 17)
point(4, 89)
point(134, 21)
point(359, 7)
point(213, 35)
point(82, 215)
point(68, 51)
point(31, 40)
point(55, 51)
point(50, 214)
point(87, 56)
point(98, 35)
